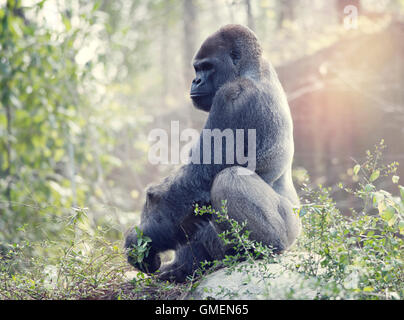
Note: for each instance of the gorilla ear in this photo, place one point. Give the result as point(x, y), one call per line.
point(235, 56)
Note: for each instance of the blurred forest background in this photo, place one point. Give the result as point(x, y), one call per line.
point(82, 83)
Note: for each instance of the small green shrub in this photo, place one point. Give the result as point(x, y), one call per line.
point(84, 265)
point(141, 249)
point(236, 239)
point(359, 255)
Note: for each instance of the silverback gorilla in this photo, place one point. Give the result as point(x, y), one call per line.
point(240, 91)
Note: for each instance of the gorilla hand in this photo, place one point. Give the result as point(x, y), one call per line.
point(141, 254)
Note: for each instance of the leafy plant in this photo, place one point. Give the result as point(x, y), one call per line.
point(358, 255)
point(141, 249)
point(236, 239)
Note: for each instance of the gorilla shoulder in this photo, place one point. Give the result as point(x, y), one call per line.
point(238, 93)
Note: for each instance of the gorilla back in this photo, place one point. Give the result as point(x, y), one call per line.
point(240, 91)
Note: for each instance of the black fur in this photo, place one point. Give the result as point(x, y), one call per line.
point(241, 91)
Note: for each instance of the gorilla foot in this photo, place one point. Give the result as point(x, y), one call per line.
point(173, 272)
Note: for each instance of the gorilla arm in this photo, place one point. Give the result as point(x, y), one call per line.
point(167, 205)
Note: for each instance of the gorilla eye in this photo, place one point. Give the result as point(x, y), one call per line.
point(207, 66)
point(204, 66)
point(235, 56)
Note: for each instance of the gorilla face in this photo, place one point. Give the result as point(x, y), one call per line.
point(153, 217)
point(202, 89)
point(213, 68)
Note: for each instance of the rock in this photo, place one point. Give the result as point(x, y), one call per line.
point(257, 280)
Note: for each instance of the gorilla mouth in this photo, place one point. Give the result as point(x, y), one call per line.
point(198, 95)
point(202, 100)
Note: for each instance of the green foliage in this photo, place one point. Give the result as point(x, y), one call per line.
point(83, 265)
point(44, 140)
point(236, 239)
point(141, 249)
point(358, 255)
point(63, 114)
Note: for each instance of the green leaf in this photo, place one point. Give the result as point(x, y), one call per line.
point(356, 169)
point(401, 227)
point(96, 6)
point(378, 197)
point(388, 215)
point(401, 193)
point(67, 23)
point(369, 187)
point(374, 175)
point(302, 212)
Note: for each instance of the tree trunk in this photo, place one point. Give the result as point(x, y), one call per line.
point(189, 48)
point(250, 17)
point(190, 38)
point(286, 11)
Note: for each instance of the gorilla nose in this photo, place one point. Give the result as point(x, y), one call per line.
point(197, 81)
point(198, 88)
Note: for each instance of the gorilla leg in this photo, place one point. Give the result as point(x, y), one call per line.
point(204, 246)
point(269, 215)
point(187, 260)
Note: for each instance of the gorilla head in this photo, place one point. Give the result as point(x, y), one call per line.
point(231, 52)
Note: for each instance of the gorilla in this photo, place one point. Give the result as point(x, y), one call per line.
point(240, 90)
